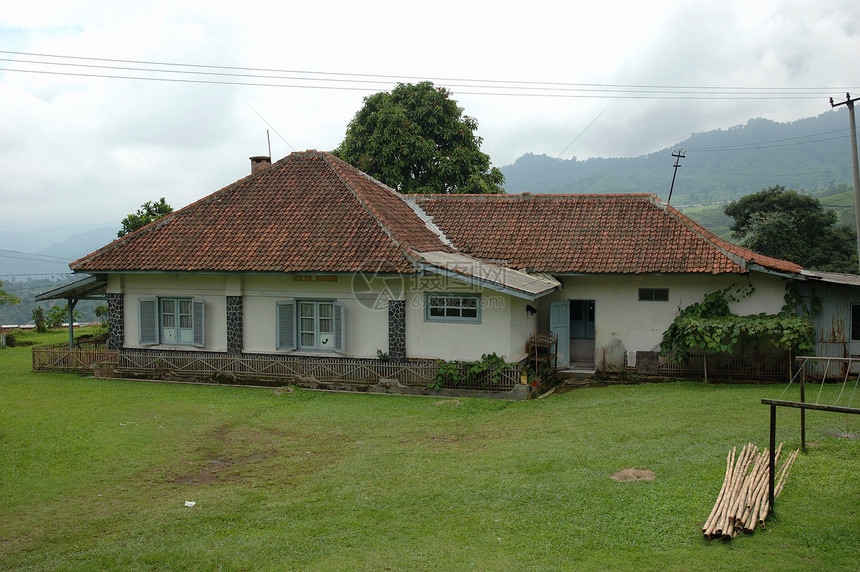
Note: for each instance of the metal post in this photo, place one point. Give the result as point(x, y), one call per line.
point(850, 104)
point(772, 455)
point(678, 154)
point(803, 411)
point(71, 324)
point(71, 303)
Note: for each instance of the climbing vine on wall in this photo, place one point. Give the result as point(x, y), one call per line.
point(711, 326)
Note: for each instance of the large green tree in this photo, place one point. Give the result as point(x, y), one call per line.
point(790, 226)
point(148, 212)
point(417, 140)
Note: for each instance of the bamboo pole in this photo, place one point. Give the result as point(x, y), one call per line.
point(729, 458)
point(716, 512)
point(728, 521)
point(743, 500)
point(786, 469)
point(750, 485)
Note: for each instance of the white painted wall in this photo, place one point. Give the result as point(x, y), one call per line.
point(624, 325)
point(504, 328)
point(209, 287)
point(366, 314)
point(366, 327)
point(523, 326)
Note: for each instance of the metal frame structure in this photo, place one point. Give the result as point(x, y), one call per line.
point(803, 406)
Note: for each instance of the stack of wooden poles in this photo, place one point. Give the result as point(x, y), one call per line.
point(743, 501)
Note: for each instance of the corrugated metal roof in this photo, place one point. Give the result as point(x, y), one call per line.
point(495, 277)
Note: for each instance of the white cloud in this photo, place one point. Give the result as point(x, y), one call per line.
point(93, 149)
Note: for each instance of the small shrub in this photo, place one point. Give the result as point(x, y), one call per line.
point(39, 320)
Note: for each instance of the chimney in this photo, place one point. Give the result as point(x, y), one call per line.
point(260, 163)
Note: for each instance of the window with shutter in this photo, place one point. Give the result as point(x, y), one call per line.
point(286, 323)
point(311, 325)
point(197, 321)
point(172, 321)
point(339, 327)
point(148, 321)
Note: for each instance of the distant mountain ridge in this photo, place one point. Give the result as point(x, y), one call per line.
point(27, 256)
point(811, 155)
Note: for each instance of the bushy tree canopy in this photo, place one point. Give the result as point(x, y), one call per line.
point(6, 297)
point(57, 315)
point(790, 226)
point(417, 140)
point(148, 212)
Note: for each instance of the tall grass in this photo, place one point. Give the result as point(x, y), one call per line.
point(95, 475)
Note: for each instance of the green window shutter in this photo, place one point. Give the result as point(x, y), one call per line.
point(339, 327)
point(286, 324)
point(147, 320)
point(198, 321)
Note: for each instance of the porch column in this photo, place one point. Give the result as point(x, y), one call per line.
point(235, 325)
point(397, 330)
point(116, 322)
point(71, 303)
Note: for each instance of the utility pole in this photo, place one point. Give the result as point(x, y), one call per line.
point(678, 154)
point(850, 103)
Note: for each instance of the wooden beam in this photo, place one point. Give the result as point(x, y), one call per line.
point(815, 406)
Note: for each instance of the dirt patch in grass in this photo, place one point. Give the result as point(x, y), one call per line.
point(234, 454)
point(632, 474)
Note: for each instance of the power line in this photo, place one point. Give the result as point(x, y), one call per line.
point(365, 81)
point(766, 174)
point(764, 144)
point(414, 77)
point(22, 286)
point(32, 256)
point(603, 95)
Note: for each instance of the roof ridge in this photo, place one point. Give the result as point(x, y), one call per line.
point(410, 254)
point(530, 196)
point(426, 218)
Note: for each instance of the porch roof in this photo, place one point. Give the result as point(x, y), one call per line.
point(89, 288)
point(833, 277)
point(499, 278)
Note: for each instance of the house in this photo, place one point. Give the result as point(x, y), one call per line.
point(309, 257)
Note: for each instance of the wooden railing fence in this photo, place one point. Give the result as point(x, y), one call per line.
point(269, 369)
point(272, 369)
point(80, 359)
point(770, 367)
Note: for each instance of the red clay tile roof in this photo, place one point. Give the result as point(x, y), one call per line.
point(309, 212)
point(591, 234)
point(312, 212)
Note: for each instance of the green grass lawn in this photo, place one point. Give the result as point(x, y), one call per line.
point(95, 473)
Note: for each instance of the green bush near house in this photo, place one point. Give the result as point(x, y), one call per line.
point(95, 475)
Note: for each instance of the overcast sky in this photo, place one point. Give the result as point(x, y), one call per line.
point(564, 79)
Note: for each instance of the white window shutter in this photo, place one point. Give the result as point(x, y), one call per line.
point(198, 322)
point(339, 327)
point(147, 320)
point(286, 324)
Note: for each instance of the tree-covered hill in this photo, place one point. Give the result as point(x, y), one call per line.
point(810, 155)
